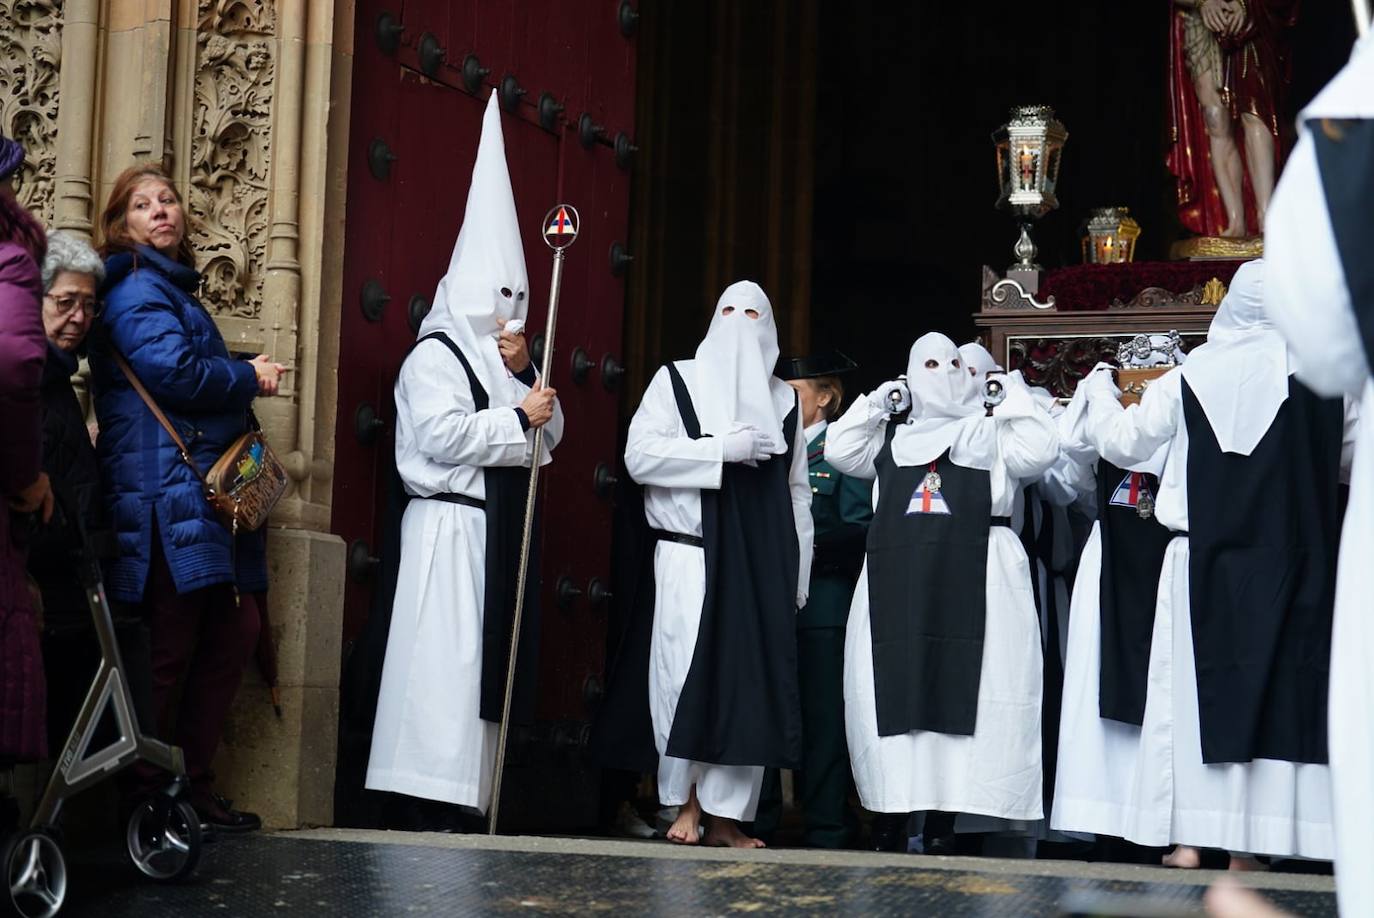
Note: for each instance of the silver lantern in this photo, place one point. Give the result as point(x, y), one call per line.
point(1028, 153)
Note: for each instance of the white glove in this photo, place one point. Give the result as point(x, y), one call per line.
point(801, 601)
point(1099, 383)
point(891, 397)
point(746, 445)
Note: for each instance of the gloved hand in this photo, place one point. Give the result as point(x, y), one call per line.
point(1100, 384)
point(801, 601)
point(884, 399)
point(746, 445)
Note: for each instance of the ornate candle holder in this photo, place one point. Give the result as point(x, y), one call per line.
point(1028, 155)
point(1111, 236)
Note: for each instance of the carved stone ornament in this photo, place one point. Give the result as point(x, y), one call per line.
point(30, 55)
point(1008, 294)
point(230, 153)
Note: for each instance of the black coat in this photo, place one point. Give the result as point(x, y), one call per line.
point(70, 461)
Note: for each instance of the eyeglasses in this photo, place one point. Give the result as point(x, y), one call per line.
point(65, 306)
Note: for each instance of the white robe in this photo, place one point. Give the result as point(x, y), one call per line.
point(1261, 807)
point(429, 739)
point(1097, 757)
point(674, 469)
point(996, 771)
point(1310, 304)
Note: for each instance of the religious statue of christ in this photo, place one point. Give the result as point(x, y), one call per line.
point(1228, 69)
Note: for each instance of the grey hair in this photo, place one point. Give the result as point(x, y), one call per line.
point(69, 252)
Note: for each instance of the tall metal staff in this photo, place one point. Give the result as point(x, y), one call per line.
point(560, 228)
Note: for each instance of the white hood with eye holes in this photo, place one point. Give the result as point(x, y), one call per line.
point(733, 387)
point(939, 401)
point(486, 278)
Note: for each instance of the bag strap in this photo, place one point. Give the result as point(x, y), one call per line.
point(161, 418)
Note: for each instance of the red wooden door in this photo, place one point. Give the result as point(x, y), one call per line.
point(400, 230)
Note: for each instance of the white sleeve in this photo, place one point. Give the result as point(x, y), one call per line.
point(1305, 294)
point(799, 480)
point(446, 426)
point(1073, 429)
point(1027, 437)
point(658, 453)
point(1128, 437)
point(852, 443)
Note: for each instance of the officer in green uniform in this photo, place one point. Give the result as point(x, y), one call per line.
point(842, 507)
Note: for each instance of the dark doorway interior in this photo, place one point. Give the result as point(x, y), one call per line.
point(897, 178)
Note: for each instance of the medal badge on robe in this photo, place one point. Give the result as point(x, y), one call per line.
point(1134, 492)
point(927, 497)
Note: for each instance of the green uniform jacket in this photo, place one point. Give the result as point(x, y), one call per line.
point(842, 507)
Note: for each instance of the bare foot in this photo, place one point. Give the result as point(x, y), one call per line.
point(686, 829)
point(726, 833)
point(1245, 862)
point(1183, 858)
point(1234, 232)
point(1228, 899)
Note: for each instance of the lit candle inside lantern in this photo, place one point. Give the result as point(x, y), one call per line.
point(1109, 259)
point(1027, 165)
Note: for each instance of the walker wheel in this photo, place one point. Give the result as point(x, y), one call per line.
point(164, 840)
point(35, 875)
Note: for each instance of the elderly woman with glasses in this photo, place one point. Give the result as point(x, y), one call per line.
point(71, 273)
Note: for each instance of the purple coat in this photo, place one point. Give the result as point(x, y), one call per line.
point(23, 349)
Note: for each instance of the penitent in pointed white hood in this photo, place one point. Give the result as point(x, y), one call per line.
point(486, 279)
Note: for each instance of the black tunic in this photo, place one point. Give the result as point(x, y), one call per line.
point(1343, 158)
point(1132, 558)
point(1263, 534)
point(507, 488)
point(927, 624)
point(740, 704)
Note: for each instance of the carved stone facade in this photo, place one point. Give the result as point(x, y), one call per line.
point(223, 92)
point(30, 56)
point(231, 153)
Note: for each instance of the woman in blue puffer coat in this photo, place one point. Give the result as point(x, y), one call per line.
point(193, 579)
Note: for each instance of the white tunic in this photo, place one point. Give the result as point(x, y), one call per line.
point(997, 770)
point(1097, 756)
point(429, 739)
point(674, 469)
point(1261, 807)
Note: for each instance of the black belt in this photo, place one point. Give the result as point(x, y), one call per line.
point(1001, 521)
point(464, 499)
point(1179, 532)
point(679, 538)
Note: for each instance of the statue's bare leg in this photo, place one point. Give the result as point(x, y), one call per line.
point(1226, 164)
point(1259, 157)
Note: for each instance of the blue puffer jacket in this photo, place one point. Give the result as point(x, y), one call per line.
point(152, 316)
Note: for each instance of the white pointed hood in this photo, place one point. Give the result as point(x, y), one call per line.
point(939, 386)
point(486, 278)
point(1240, 376)
point(733, 387)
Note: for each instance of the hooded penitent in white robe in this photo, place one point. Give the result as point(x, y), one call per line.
point(1095, 773)
point(1308, 296)
point(732, 386)
point(997, 770)
point(429, 739)
point(1264, 806)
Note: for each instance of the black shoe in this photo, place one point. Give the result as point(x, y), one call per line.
point(888, 832)
point(217, 814)
point(941, 846)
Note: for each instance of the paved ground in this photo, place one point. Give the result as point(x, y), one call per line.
point(342, 873)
